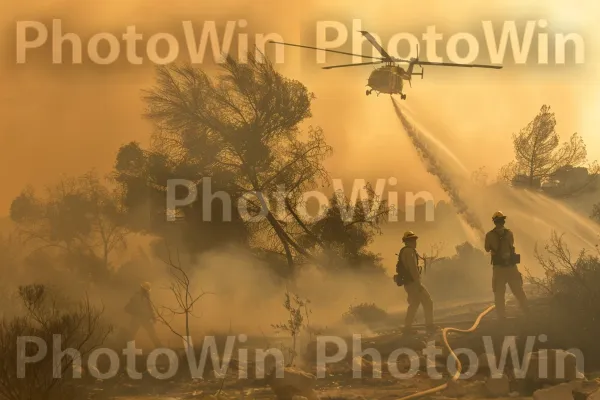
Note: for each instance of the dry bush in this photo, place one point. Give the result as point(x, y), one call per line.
point(368, 314)
point(571, 287)
point(184, 295)
point(79, 326)
point(299, 322)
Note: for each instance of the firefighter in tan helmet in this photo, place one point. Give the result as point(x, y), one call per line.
point(142, 314)
point(500, 243)
point(417, 293)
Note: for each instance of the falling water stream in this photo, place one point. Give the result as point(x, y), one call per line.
point(426, 151)
point(531, 215)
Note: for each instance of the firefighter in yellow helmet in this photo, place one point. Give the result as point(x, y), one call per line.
point(500, 243)
point(142, 314)
point(417, 293)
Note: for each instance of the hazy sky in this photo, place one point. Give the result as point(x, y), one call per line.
point(61, 119)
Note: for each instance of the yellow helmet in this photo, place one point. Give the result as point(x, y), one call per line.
point(408, 235)
point(498, 215)
point(146, 286)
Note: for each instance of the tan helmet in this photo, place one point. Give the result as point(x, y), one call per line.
point(146, 286)
point(498, 215)
point(408, 235)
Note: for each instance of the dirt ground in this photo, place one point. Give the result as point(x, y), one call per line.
point(339, 382)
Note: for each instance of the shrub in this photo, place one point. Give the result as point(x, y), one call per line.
point(368, 314)
point(571, 287)
point(79, 327)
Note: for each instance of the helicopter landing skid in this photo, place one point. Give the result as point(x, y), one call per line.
point(369, 91)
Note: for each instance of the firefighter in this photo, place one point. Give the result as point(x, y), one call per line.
point(416, 292)
point(500, 243)
point(142, 313)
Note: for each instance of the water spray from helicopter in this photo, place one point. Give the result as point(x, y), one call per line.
point(437, 170)
point(535, 213)
point(409, 114)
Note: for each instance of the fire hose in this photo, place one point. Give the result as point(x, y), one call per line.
point(458, 372)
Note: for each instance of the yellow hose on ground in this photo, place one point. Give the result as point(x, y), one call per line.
point(456, 360)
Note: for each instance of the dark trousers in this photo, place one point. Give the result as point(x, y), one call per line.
point(147, 324)
point(418, 296)
point(511, 277)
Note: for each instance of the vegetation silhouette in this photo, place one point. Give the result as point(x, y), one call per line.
point(243, 131)
point(540, 158)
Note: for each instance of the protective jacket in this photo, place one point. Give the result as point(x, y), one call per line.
point(500, 242)
point(410, 261)
point(140, 306)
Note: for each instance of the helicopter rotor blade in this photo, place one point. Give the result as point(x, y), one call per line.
point(352, 65)
point(374, 43)
point(401, 60)
point(443, 64)
point(328, 50)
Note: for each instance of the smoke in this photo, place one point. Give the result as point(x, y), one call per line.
point(241, 294)
point(246, 296)
point(434, 168)
point(533, 216)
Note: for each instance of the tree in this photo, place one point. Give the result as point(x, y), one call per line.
point(185, 297)
point(539, 154)
point(596, 212)
point(244, 127)
point(346, 230)
point(480, 177)
point(239, 134)
point(298, 311)
point(10, 268)
point(78, 216)
point(431, 258)
point(142, 176)
point(242, 132)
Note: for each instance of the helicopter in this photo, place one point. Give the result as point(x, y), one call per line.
point(389, 78)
